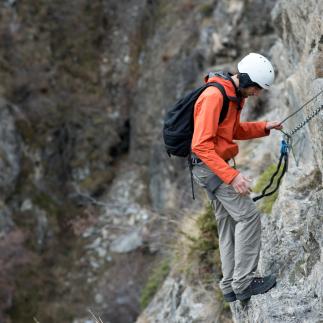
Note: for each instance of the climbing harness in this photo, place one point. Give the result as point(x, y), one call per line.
point(286, 146)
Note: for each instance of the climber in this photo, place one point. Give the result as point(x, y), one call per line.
point(213, 147)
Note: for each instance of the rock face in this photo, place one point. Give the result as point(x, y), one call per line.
point(292, 233)
point(86, 189)
point(10, 149)
point(179, 302)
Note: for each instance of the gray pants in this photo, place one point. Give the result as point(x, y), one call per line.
point(239, 230)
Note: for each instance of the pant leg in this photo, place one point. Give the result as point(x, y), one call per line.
point(226, 231)
point(247, 249)
point(247, 234)
point(241, 211)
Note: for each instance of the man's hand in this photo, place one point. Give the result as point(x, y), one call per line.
point(241, 184)
point(274, 125)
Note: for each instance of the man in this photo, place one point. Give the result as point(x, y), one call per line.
point(238, 219)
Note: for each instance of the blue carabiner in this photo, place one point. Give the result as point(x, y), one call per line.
point(284, 147)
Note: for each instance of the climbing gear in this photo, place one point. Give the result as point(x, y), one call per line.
point(299, 127)
point(287, 145)
point(302, 107)
point(230, 297)
point(259, 69)
point(259, 285)
point(179, 122)
point(283, 156)
point(304, 122)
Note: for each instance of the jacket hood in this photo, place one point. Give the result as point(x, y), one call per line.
point(224, 78)
point(224, 75)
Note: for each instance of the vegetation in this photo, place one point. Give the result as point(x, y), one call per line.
point(267, 202)
point(155, 280)
point(199, 255)
point(196, 256)
point(207, 9)
point(205, 247)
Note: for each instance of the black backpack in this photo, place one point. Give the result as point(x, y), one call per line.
point(179, 121)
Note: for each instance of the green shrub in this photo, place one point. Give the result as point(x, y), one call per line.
point(154, 282)
point(203, 258)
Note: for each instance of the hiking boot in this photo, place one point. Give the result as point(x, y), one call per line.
point(230, 297)
point(259, 285)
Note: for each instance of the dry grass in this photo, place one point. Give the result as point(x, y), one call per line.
point(97, 320)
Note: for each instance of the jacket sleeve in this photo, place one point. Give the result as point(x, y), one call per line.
point(205, 129)
point(250, 130)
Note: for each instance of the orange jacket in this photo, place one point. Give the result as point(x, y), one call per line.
point(213, 143)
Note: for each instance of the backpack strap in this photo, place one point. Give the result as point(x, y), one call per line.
point(225, 105)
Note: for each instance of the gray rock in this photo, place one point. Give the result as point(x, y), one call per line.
point(127, 242)
point(9, 149)
point(6, 222)
point(179, 302)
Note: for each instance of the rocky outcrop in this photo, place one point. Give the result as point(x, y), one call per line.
point(291, 234)
point(177, 301)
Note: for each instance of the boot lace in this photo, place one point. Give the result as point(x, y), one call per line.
point(258, 280)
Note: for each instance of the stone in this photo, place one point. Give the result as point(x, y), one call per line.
point(10, 153)
point(26, 205)
point(6, 222)
point(127, 242)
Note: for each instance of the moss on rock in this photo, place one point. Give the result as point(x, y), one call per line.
point(154, 282)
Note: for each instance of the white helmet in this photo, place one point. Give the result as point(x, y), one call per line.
point(258, 68)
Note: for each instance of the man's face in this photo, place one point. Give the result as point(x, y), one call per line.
point(250, 91)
